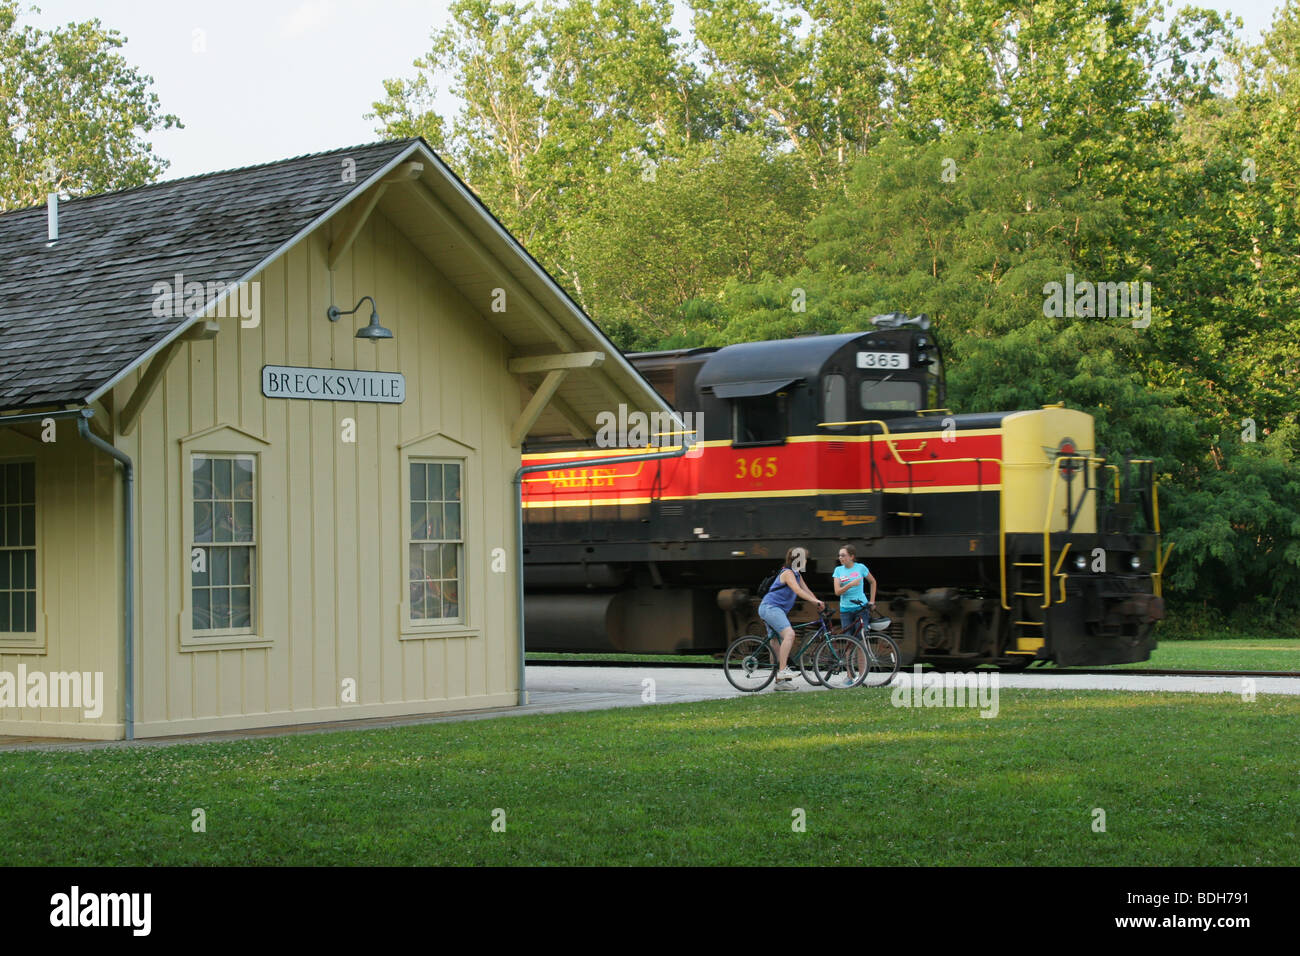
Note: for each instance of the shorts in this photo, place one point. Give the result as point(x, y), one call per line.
point(775, 618)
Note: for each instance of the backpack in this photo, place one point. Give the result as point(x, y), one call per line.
point(769, 581)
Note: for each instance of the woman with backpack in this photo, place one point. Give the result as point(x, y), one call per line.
point(776, 605)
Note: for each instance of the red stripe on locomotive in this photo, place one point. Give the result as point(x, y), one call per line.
point(795, 467)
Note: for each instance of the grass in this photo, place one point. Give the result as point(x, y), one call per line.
point(1184, 780)
point(1253, 654)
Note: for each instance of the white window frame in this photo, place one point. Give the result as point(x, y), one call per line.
point(32, 641)
point(223, 442)
point(442, 449)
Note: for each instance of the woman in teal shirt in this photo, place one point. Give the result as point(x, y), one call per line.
point(850, 577)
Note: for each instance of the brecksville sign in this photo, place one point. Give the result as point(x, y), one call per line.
point(333, 385)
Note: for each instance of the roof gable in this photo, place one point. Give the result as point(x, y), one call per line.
point(76, 313)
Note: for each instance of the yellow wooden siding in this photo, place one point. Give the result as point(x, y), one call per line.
point(331, 532)
point(79, 550)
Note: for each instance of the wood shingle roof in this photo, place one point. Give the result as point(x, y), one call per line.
point(75, 313)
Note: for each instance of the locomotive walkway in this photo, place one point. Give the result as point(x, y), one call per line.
point(563, 689)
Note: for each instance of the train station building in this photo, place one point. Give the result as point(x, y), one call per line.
point(259, 436)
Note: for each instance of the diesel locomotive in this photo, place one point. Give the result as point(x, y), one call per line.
point(996, 537)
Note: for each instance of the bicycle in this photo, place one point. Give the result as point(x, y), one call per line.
point(882, 658)
point(824, 659)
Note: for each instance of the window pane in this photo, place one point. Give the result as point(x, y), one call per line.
point(18, 570)
point(223, 521)
point(221, 478)
point(31, 612)
point(435, 523)
point(450, 561)
point(219, 566)
point(202, 477)
point(13, 485)
point(4, 571)
point(240, 566)
point(28, 536)
point(243, 529)
point(417, 563)
point(200, 578)
point(434, 489)
point(417, 481)
point(451, 480)
point(31, 569)
point(452, 528)
point(241, 608)
point(419, 518)
point(891, 396)
point(202, 609)
point(17, 612)
point(243, 475)
point(29, 481)
point(220, 607)
point(202, 521)
point(4, 611)
point(13, 529)
point(835, 398)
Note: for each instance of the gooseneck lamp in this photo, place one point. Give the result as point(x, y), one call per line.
point(374, 331)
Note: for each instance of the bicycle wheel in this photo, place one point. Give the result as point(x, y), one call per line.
point(807, 655)
point(882, 660)
point(750, 663)
point(841, 662)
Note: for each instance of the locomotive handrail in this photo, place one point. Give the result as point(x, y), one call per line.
point(1002, 526)
point(1157, 576)
point(1047, 518)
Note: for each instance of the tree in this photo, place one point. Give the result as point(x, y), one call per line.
point(75, 112)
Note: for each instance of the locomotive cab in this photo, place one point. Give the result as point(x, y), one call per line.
point(762, 393)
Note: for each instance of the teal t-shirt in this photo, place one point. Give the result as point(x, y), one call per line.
point(855, 598)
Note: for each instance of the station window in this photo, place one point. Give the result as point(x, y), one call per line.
point(18, 547)
point(437, 542)
point(224, 546)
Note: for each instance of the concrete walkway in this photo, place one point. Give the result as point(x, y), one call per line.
point(564, 689)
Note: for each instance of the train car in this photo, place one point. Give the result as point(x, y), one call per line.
point(996, 537)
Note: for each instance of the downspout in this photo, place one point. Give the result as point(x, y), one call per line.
point(519, 525)
point(128, 559)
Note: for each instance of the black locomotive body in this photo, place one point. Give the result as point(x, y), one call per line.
point(997, 537)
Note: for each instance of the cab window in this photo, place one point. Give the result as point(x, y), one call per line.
point(760, 420)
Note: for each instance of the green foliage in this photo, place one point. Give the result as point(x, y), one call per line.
point(817, 163)
point(74, 112)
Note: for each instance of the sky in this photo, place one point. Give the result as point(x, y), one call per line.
point(255, 81)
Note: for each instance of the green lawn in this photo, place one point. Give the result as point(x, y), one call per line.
point(1184, 779)
point(1245, 654)
point(1258, 654)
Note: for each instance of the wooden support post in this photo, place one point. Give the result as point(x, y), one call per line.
point(533, 410)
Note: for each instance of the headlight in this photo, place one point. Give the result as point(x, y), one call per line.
point(1080, 562)
point(1135, 562)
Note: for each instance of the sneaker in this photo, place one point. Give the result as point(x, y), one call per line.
point(786, 684)
point(786, 674)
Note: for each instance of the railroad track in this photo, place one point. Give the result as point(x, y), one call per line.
point(1102, 671)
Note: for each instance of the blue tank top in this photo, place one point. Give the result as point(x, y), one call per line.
point(780, 594)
